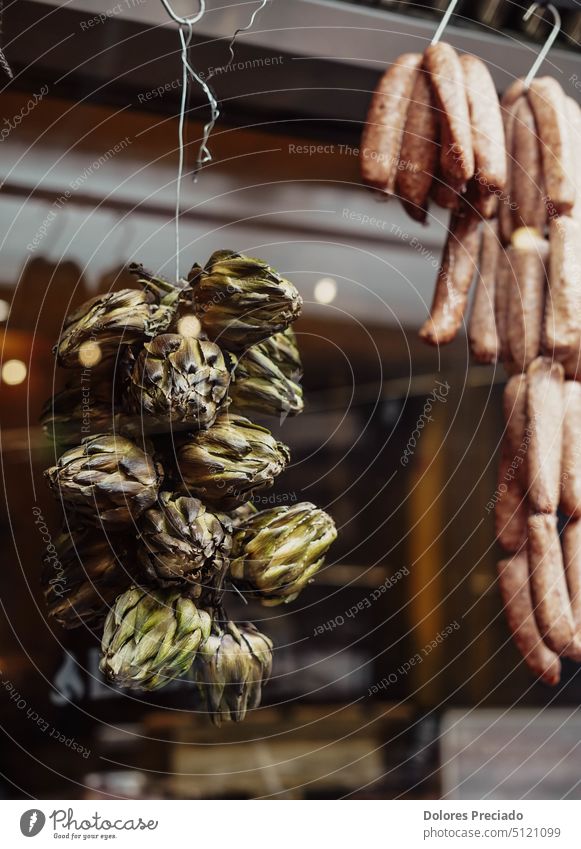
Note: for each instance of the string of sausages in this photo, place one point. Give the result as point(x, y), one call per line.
point(510, 173)
point(537, 303)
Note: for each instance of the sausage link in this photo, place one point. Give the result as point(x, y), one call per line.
point(563, 304)
point(419, 150)
point(505, 222)
point(571, 540)
point(482, 329)
point(571, 451)
point(515, 90)
point(382, 134)
point(574, 118)
point(504, 284)
point(510, 512)
point(549, 106)
point(545, 424)
point(514, 406)
point(548, 585)
point(453, 285)
point(529, 209)
point(513, 582)
point(447, 77)
point(526, 304)
point(443, 194)
point(487, 128)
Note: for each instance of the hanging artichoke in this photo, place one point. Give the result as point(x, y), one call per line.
point(80, 409)
point(283, 350)
point(260, 385)
point(277, 552)
point(107, 479)
point(181, 542)
point(230, 670)
point(84, 577)
point(240, 300)
point(111, 320)
point(226, 464)
point(178, 380)
point(151, 637)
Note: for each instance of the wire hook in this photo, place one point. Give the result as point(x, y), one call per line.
point(186, 21)
point(445, 20)
point(548, 43)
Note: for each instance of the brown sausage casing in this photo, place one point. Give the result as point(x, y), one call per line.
point(510, 514)
point(419, 149)
point(571, 540)
point(504, 285)
point(457, 154)
point(526, 304)
point(548, 585)
point(529, 208)
point(545, 432)
point(549, 105)
point(382, 134)
point(454, 279)
point(487, 128)
point(513, 582)
point(563, 304)
point(482, 328)
point(514, 406)
point(571, 451)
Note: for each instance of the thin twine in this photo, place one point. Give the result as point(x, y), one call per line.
point(189, 72)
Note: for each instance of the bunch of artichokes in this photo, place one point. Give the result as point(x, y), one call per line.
point(157, 524)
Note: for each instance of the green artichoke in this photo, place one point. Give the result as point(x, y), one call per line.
point(107, 479)
point(282, 349)
point(84, 576)
point(277, 552)
point(260, 385)
point(240, 300)
point(111, 320)
point(226, 464)
point(178, 380)
point(181, 542)
point(230, 670)
point(151, 637)
point(78, 410)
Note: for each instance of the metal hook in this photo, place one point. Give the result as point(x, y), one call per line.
point(187, 21)
point(444, 21)
point(548, 43)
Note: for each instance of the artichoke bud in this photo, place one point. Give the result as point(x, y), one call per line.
point(84, 576)
point(230, 670)
point(183, 542)
point(178, 380)
point(151, 637)
point(240, 300)
point(283, 350)
point(260, 385)
point(161, 289)
point(278, 551)
point(108, 321)
point(107, 479)
point(226, 464)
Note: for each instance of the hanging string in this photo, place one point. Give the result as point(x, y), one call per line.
point(189, 74)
